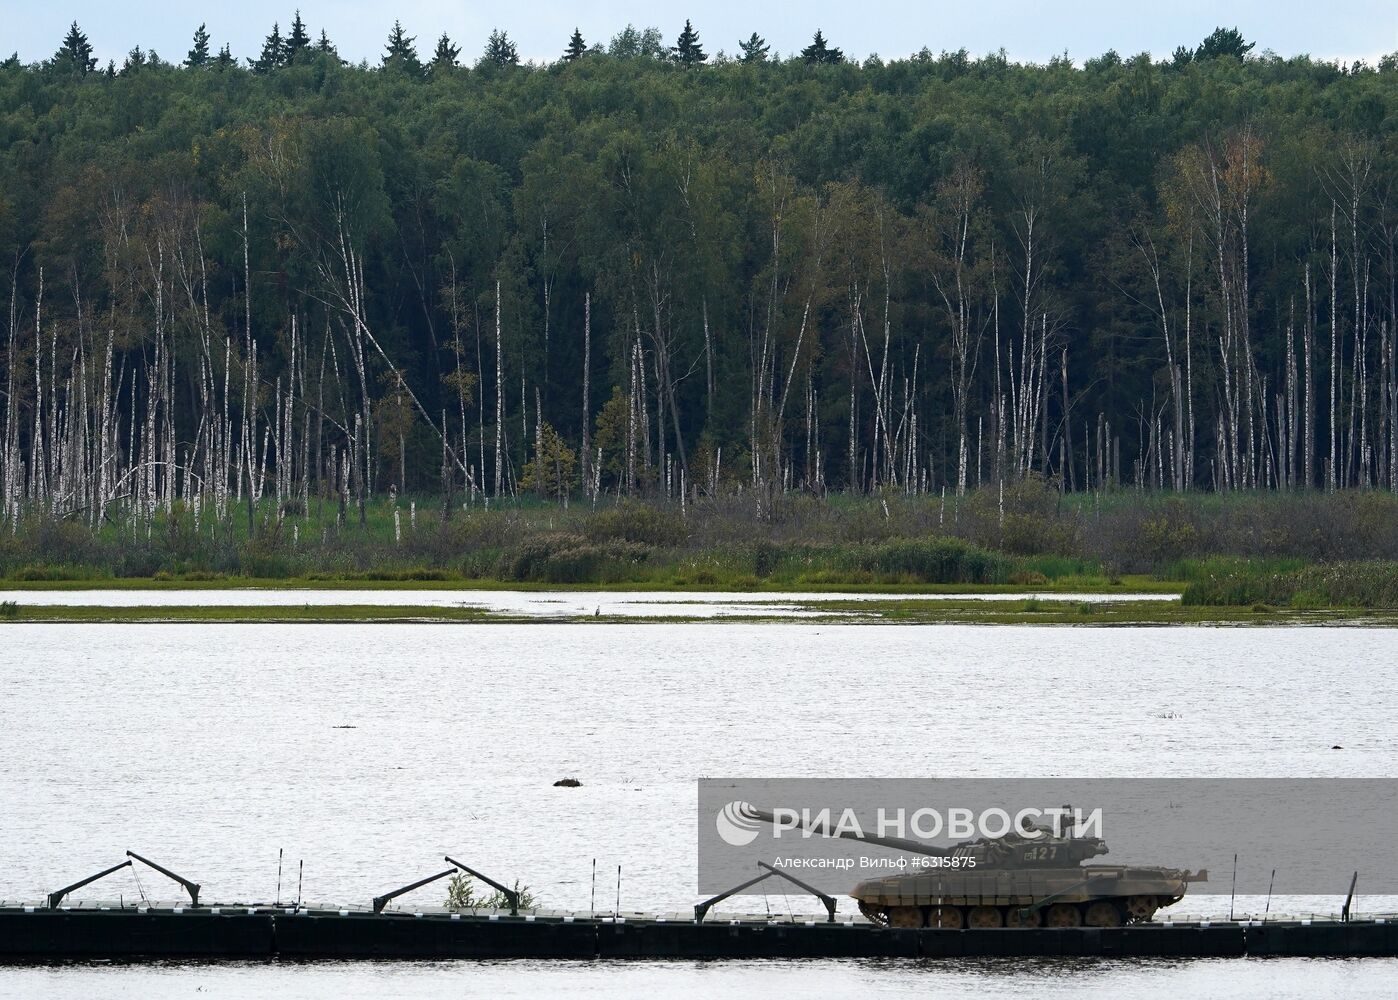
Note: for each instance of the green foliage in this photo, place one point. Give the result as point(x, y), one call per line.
point(634, 43)
point(755, 49)
point(721, 544)
point(400, 55)
point(273, 52)
point(552, 472)
point(630, 521)
point(199, 53)
point(766, 556)
point(75, 55)
point(687, 51)
point(1334, 585)
point(298, 41)
point(563, 558)
point(936, 560)
point(461, 895)
point(444, 57)
point(818, 53)
point(1227, 42)
point(577, 48)
point(655, 192)
point(500, 51)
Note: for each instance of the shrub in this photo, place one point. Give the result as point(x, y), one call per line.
point(562, 558)
point(261, 559)
point(1028, 578)
point(765, 557)
point(937, 560)
point(636, 522)
point(37, 573)
point(526, 561)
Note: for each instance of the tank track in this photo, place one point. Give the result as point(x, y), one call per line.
point(880, 915)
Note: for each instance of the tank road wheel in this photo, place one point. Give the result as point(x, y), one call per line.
point(873, 914)
point(984, 916)
point(1063, 915)
point(905, 916)
point(1013, 919)
point(1140, 909)
point(946, 917)
point(1102, 913)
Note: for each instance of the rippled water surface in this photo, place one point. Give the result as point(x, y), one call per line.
point(370, 751)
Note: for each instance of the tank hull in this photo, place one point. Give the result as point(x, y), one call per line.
point(1096, 895)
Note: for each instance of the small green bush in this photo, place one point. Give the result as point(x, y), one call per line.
point(937, 560)
point(765, 557)
point(636, 522)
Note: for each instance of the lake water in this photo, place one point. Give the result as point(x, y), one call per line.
point(208, 747)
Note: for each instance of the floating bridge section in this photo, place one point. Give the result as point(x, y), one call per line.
point(42, 934)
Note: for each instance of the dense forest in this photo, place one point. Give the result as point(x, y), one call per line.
point(645, 270)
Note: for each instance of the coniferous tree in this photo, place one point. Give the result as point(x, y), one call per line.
point(577, 48)
point(755, 49)
point(299, 40)
point(75, 54)
point(499, 50)
point(818, 53)
point(199, 54)
point(135, 59)
point(400, 53)
point(1224, 42)
point(687, 51)
point(273, 52)
point(225, 58)
point(326, 46)
point(445, 56)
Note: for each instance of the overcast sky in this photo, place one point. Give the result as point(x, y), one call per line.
point(1027, 30)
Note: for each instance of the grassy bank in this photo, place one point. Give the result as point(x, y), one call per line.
point(889, 612)
point(1304, 550)
point(1334, 585)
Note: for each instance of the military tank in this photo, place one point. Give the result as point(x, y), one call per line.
point(1032, 878)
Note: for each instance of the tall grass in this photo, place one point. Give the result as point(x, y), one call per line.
point(1330, 585)
point(1241, 549)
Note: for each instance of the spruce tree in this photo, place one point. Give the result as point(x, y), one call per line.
point(687, 50)
point(273, 52)
point(135, 59)
point(818, 53)
point(577, 48)
point(225, 58)
point(326, 46)
point(445, 56)
point(199, 55)
point(299, 40)
point(499, 50)
point(400, 54)
point(75, 54)
point(755, 49)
